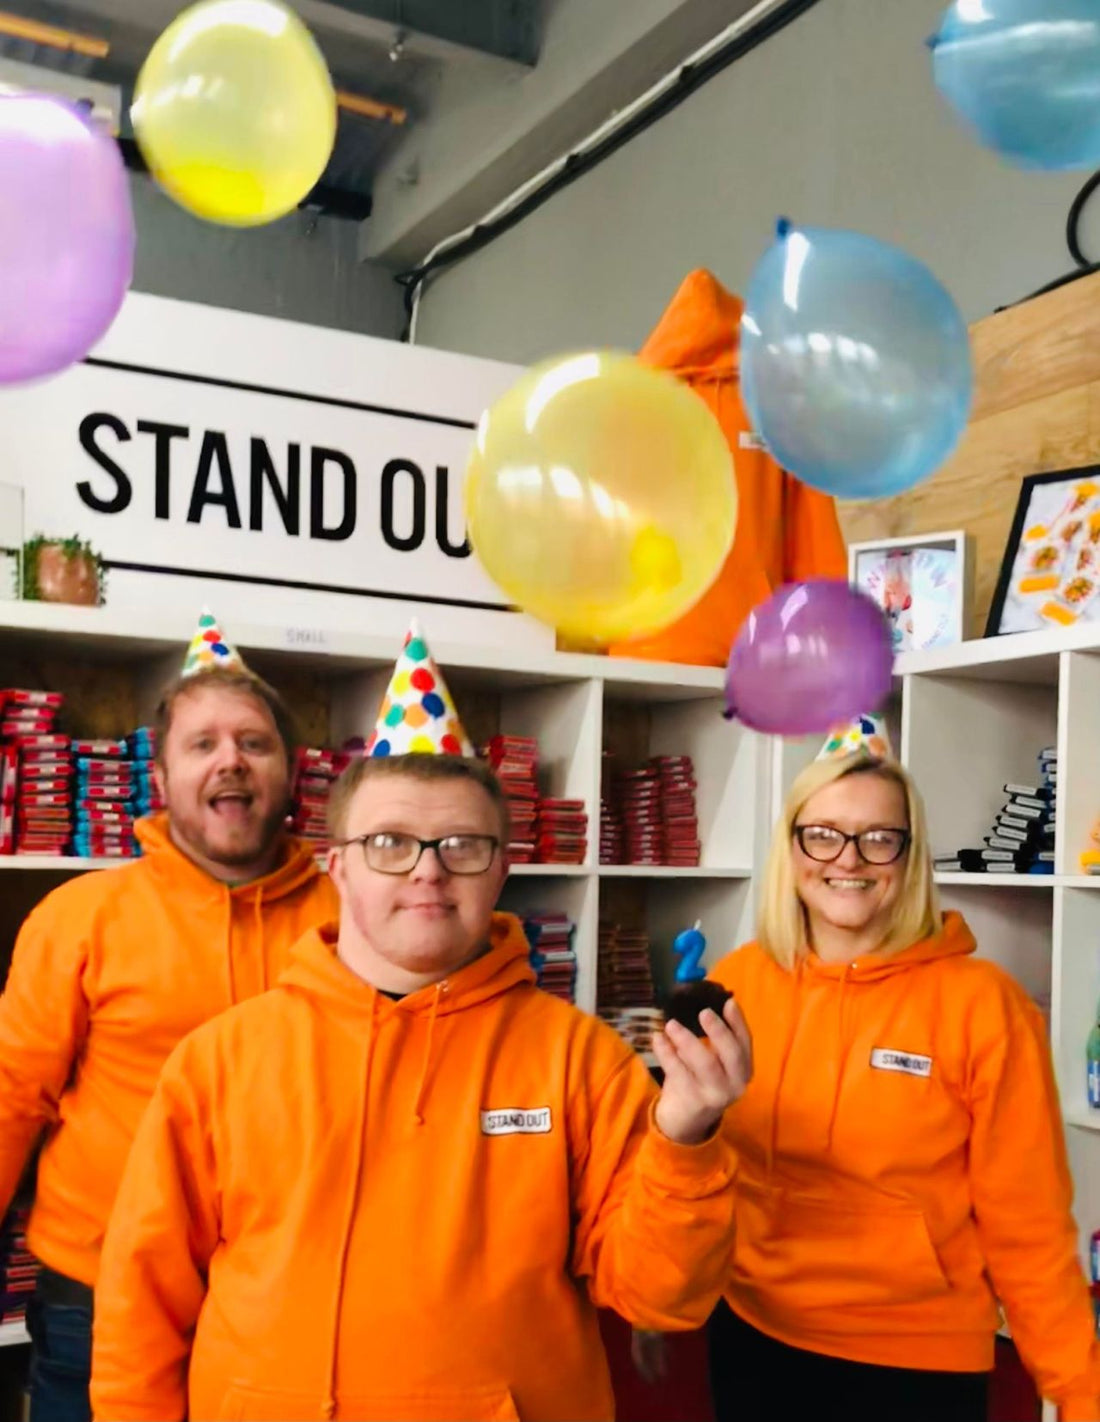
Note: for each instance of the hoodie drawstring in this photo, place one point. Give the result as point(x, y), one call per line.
point(258, 935)
point(422, 1084)
point(229, 946)
point(841, 1054)
point(258, 926)
point(788, 1045)
point(328, 1406)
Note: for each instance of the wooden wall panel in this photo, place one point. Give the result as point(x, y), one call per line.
point(1037, 409)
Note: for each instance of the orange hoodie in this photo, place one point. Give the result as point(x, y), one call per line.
point(901, 1163)
point(109, 972)
point(343, 1206)
point(786, 531)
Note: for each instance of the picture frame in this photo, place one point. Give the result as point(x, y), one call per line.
point(1050, 572)
point(922, 583)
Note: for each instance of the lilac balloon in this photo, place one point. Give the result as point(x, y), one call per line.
point(66, 235)
point(814, 655)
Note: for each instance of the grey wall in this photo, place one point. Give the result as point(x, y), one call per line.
point(295, 268)
point(835, 122)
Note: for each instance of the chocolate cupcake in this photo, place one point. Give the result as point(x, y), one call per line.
point(688, 1000)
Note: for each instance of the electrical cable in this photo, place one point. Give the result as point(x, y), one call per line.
point(738, 39)
point(1083, 267)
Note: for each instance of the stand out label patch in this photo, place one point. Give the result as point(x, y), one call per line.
point(516, 1121)
point(884, 1059)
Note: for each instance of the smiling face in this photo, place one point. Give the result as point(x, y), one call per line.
point(225, 779)
point(403, 931)
point(849, 897)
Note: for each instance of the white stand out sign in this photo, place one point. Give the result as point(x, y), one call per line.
point(283, 473)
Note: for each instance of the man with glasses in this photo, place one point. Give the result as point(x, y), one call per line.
point(400, 1185)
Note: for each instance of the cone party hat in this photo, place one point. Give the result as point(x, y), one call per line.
point(210, 647)
point(865, 733)
point(418, 714)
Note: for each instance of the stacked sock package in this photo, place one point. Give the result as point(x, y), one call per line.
point(625, 997)
point(612, 833)
point(679, 815)
point(315, 771)
point(24, 714)
point(115, 787)
point(654, 817)
point(545, 830)
point(562, 832)
point(514, 762)
point(1021, 837)
point(550, 935)
point(35, 766)
point(9, 782)
point(19, 1266)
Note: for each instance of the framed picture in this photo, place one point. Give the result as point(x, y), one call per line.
point(921, 583)
point(1050, 573)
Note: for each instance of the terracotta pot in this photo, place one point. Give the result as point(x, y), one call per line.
point(67, 579)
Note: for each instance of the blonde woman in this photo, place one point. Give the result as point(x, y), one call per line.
point(902, 1166)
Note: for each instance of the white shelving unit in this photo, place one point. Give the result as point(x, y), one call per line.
point(573, 704)
point(965, 720)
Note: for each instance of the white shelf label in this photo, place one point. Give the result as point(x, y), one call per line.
point(306, 639)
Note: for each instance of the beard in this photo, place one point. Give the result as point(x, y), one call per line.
point(233, 850)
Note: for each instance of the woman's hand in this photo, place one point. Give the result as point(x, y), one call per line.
point(701, 1080)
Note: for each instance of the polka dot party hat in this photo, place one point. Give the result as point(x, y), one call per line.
point(210, 647)
point(417, 713)
point(865, 733)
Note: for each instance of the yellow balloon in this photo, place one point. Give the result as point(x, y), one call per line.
point(600, 496)
point(234, 111)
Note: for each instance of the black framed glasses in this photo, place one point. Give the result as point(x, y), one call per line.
point(825, 844)
point(390, 852)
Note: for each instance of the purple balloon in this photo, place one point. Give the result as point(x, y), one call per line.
point(66, 235)
point(816, 654)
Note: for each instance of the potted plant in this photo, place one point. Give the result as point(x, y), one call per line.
point(62, 570)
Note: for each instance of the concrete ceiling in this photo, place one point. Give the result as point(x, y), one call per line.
point(358, 38)
point(483, 138)
point(492, 90)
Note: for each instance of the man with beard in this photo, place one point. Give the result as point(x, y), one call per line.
point(112, 970)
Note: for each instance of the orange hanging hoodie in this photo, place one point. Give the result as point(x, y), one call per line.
point(343, 1206)
point(902, 1167)
point(110, 971)
point(786, 531)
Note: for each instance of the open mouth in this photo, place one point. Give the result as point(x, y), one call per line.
point(850, 886)
point(231, 805)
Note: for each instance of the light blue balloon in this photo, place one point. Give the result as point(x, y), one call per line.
point(855, 363)
point(1025, 74)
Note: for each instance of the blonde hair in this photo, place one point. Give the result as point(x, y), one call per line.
point(781, 921)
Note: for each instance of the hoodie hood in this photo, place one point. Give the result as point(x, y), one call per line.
point(954, 940)
point(699, 335)
point(832, 1003)
point(316, 972)
point(296, 868)
point(786, 531)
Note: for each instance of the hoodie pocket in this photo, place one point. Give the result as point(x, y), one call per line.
point(246, 1403)
point(814, 1253)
